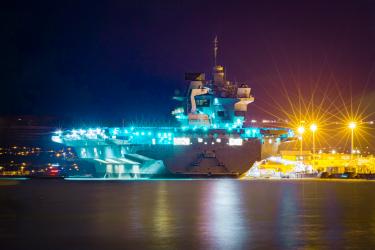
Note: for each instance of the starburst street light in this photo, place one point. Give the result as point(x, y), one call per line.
point(300, 131)
point(313, 129)
point(352, 126)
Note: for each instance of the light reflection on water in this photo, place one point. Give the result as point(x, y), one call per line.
point(162, 214)
point(289, 217)
point(198, 214)
point(221, 223)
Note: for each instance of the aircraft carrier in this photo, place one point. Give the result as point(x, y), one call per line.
point(211, 140)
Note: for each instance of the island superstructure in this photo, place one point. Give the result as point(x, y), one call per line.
point(211, 140)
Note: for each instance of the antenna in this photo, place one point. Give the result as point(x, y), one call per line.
point(215, 49)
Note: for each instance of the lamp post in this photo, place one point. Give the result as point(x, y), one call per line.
point(313, 129)
point(300, 131)
point(352, 126)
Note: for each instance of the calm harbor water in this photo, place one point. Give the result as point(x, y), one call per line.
point(187, 214)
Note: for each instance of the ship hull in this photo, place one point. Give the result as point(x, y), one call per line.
point(206, 160)
point(198, 160)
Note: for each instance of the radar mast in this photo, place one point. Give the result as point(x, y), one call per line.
point(215, 49)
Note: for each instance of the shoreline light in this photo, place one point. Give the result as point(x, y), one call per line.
point(352, 125)
point(301, 130)
point(313, 127)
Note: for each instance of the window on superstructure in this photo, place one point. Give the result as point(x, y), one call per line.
point(203, 102)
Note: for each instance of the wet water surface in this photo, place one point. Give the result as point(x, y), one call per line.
point(187, 214)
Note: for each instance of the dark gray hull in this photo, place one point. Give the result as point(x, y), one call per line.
point(206, 159)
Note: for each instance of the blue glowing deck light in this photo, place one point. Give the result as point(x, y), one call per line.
point(142, 133)
point(149, 133)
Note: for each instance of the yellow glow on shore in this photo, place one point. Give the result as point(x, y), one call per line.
point(352, 125)
point(301, 130)
point(313, 127)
